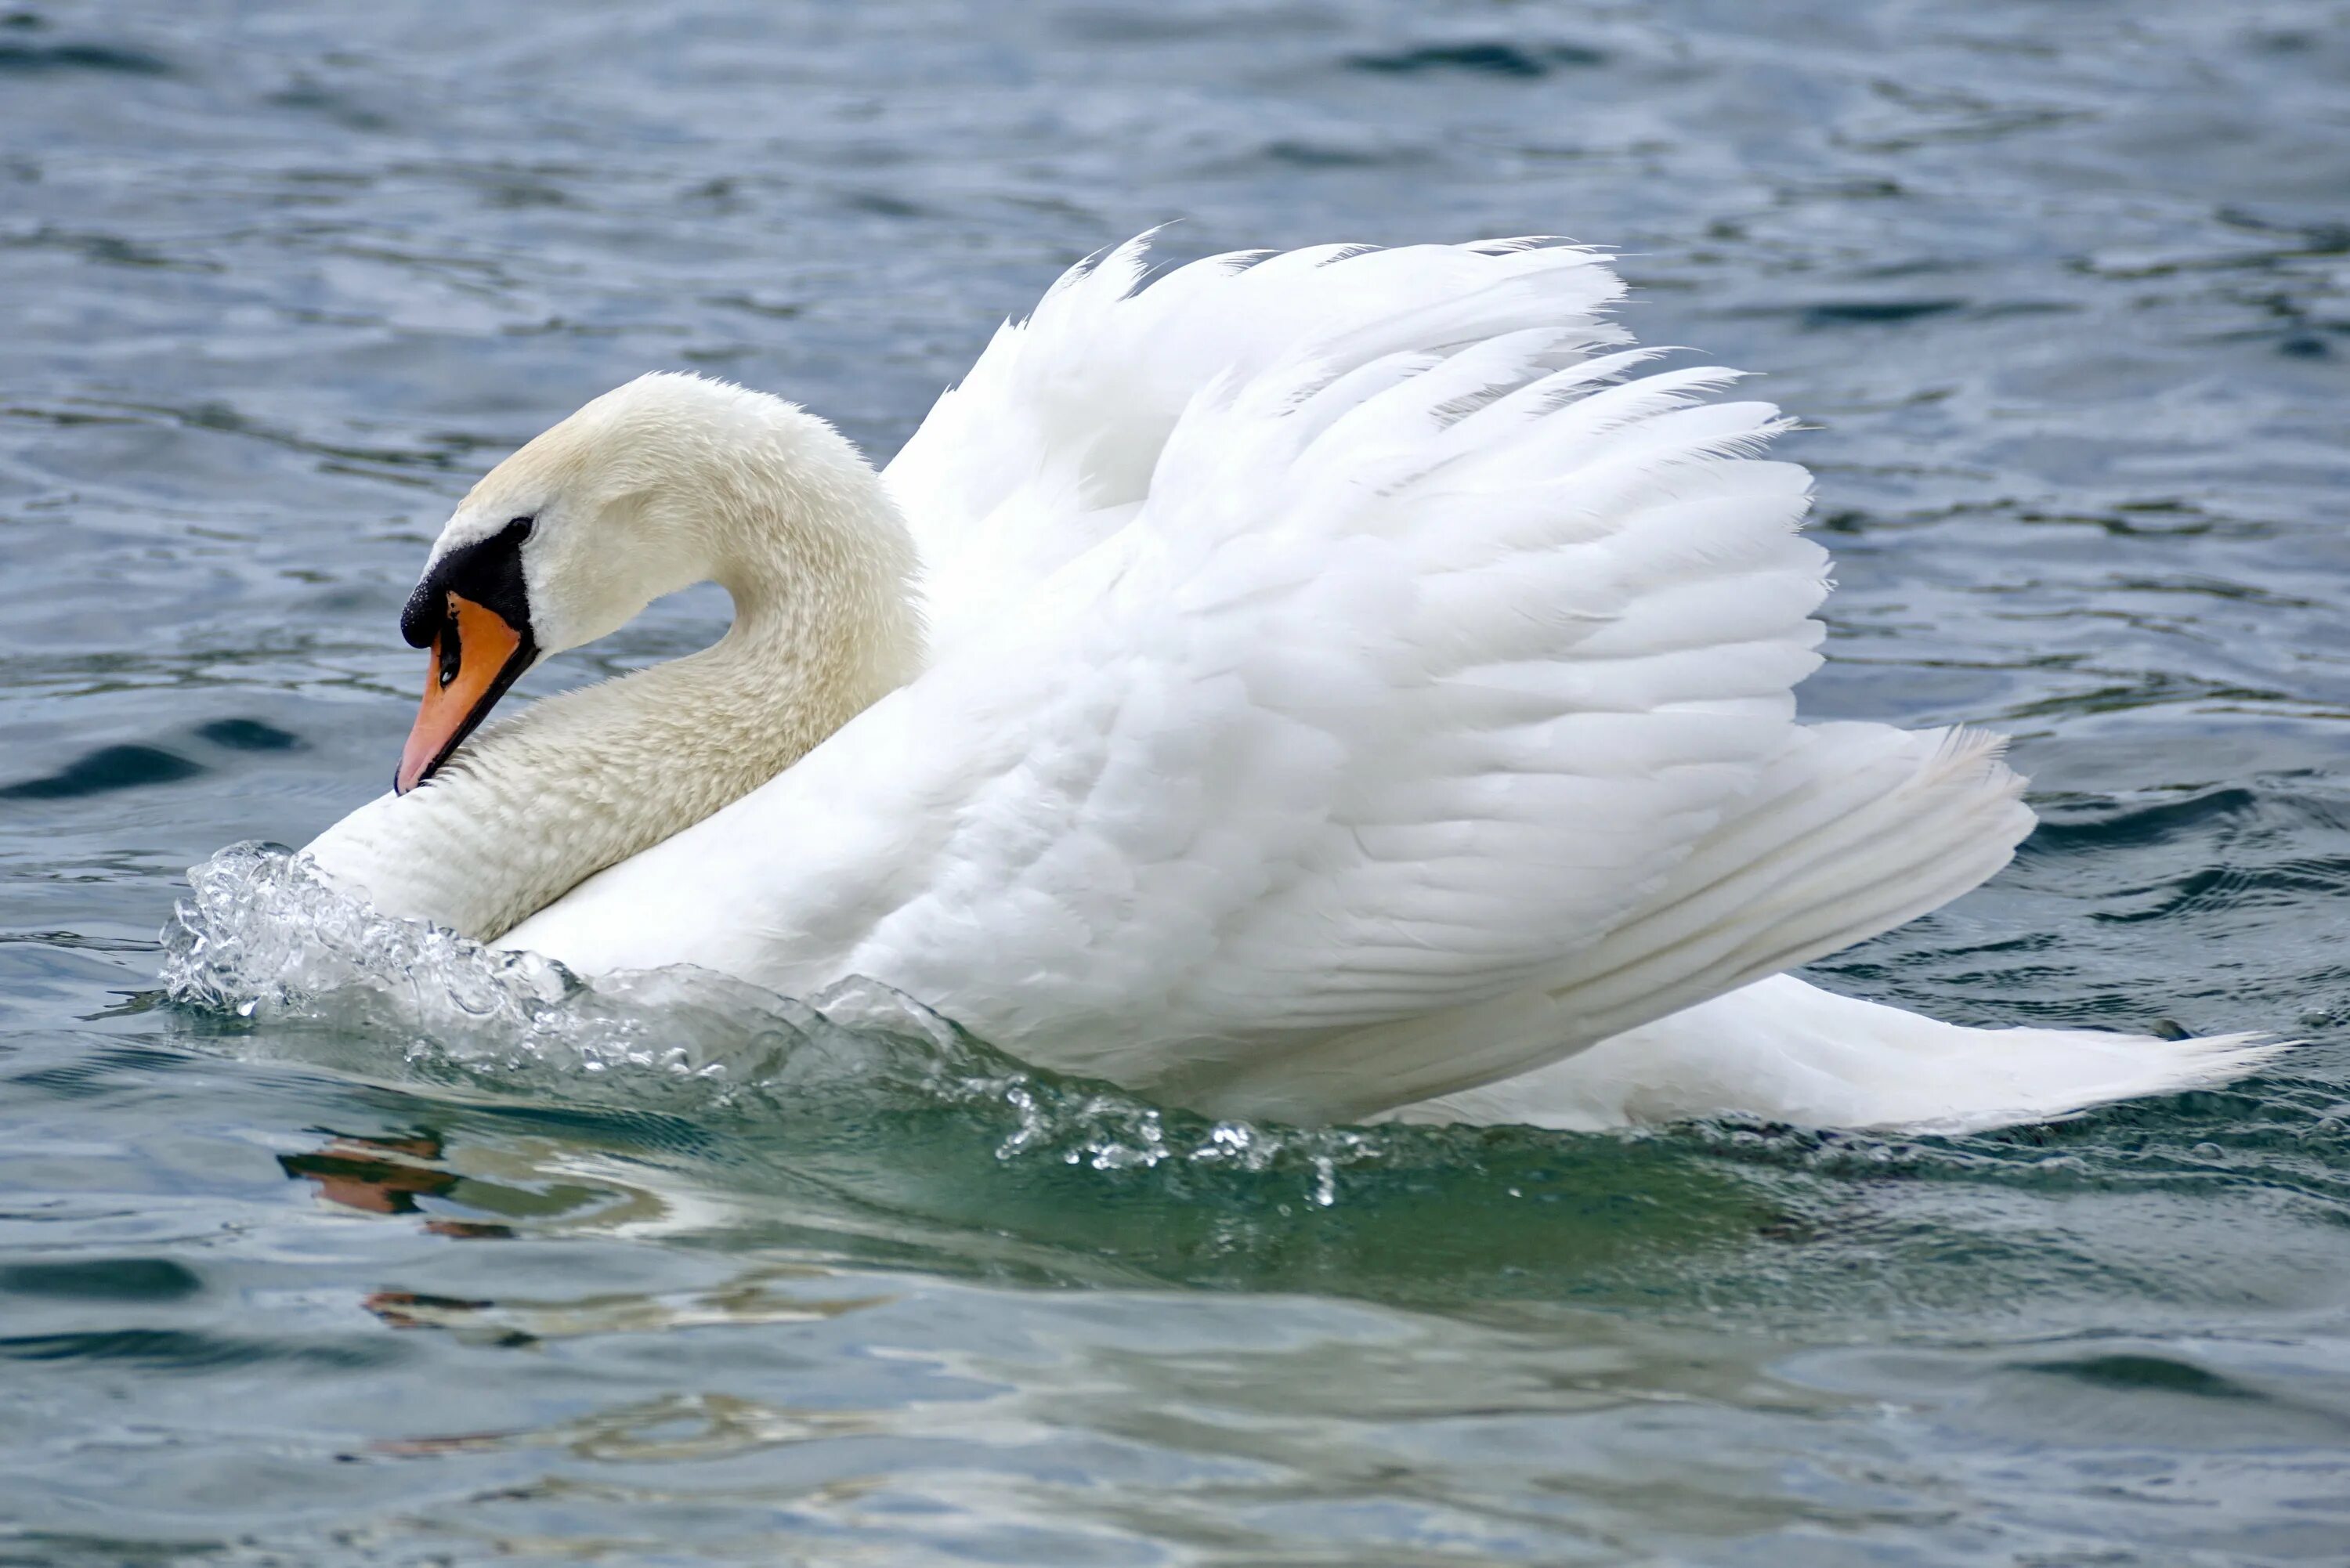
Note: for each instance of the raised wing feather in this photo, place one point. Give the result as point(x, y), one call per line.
point(1048, 444)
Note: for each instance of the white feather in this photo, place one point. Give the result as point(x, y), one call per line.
point(1349, 691)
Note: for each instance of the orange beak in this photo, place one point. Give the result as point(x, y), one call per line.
point(476, 657)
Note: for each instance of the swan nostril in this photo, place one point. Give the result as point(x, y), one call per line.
point(449, 650)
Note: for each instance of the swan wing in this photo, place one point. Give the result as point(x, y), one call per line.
point(1047, 446)
point(1402, 687)
point(1850, 829)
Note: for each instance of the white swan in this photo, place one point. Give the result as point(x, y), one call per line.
point(1330, 685)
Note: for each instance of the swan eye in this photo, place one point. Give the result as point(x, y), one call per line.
point(520, 527)
point(452, 654)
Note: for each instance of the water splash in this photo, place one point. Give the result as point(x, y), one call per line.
point(263, 939)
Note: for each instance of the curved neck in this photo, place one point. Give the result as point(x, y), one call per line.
point(535, 803)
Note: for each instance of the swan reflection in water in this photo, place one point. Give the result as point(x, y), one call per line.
point(388, 1176)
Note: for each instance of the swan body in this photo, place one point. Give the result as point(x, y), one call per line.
point(1334, 685)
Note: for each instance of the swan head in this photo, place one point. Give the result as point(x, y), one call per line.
point(666, 481)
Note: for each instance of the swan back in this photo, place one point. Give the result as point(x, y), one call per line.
point(1431, 650)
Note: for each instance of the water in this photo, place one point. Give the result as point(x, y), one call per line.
point(2062, 290)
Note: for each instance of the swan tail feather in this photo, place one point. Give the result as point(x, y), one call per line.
point(1787, 1051)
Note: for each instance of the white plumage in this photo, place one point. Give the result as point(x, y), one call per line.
point(1354, 682)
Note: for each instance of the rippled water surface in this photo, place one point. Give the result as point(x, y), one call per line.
point(2062, 292)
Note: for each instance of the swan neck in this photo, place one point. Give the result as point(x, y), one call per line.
point(820, 568)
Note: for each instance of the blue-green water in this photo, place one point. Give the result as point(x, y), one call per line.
point(2062, 290)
